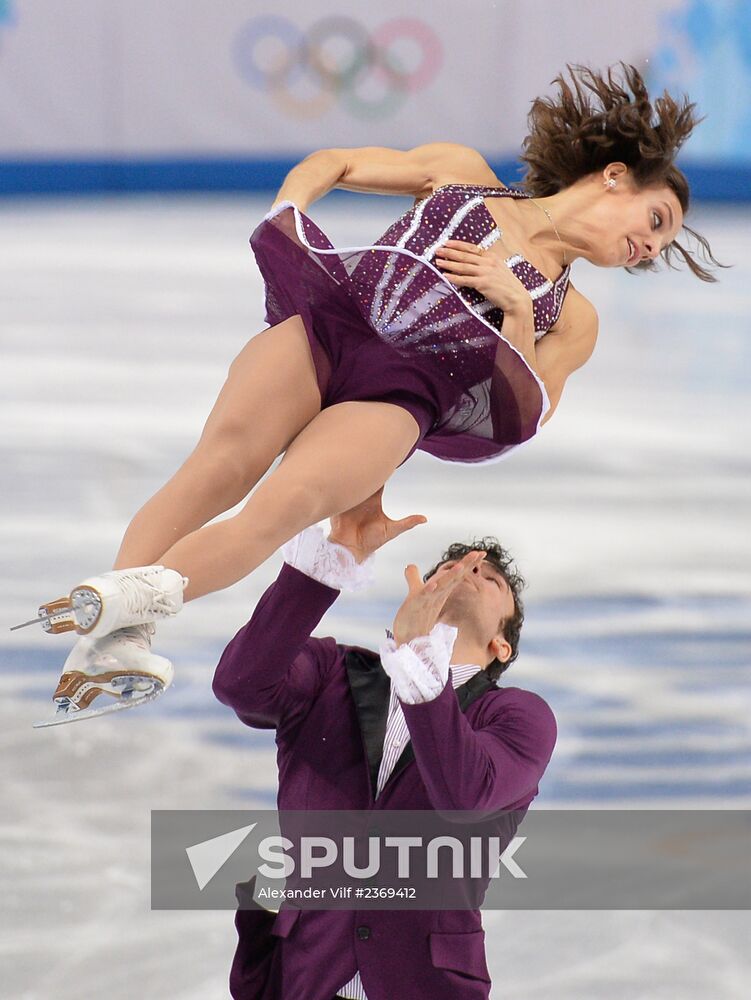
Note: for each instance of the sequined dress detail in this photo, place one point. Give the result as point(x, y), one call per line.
point(492, 401)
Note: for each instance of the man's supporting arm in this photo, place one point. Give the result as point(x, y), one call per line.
point(273, 669)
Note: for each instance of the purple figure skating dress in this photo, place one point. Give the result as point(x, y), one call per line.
point(384, 323)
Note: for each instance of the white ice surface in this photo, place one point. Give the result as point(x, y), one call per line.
point(629, 516)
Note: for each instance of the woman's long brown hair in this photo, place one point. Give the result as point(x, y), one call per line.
point(596, 122)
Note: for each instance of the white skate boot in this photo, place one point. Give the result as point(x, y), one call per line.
point(114, 600)
point(118, 670)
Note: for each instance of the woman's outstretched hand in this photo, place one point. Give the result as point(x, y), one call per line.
point(423, 605)
point(365, 528)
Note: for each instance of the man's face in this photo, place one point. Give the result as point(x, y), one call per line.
point(478, 605)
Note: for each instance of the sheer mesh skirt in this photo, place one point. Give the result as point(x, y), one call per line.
point(384, 323)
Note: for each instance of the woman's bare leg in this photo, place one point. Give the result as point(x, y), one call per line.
point(338, 460)
point(270, 394)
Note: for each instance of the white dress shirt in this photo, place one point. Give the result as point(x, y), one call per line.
point(418, 669)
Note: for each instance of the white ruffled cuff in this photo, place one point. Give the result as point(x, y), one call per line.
point(312, 553)
point(419, 669)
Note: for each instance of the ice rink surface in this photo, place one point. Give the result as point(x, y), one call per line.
point(629, 516)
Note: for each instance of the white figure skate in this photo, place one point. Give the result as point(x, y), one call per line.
point(118, 671)
point(114, 600)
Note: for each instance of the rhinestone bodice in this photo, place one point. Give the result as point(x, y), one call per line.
point(459, 212)
point(490, 398)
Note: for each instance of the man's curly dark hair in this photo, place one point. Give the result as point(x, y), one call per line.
point(498, 557)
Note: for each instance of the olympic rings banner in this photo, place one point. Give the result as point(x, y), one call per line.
point(366, 77)
point(233, 78)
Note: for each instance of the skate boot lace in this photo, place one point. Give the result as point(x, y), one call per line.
point(142, 597)
point(140, 635)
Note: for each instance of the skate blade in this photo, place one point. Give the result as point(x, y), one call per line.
point(80, 612)
point(66, 715)
point(54, 617)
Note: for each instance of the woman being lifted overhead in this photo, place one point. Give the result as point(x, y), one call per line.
point(454, 334)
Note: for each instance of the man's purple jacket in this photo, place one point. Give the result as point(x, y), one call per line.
point(476, 747)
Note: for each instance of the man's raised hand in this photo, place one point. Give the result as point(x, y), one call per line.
point(365, 528)
point(424, 602)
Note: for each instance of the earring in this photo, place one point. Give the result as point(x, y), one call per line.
point(610, 182)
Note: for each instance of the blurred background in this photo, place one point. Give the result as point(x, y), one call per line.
point(140, 144)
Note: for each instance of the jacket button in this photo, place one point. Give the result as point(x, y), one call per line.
point(363, 933)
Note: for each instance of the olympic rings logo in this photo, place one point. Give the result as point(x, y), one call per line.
point(339, 60)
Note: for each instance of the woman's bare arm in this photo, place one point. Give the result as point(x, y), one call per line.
point(311, 178)
point(380, 170)
point(416, 172)
point(567, 345)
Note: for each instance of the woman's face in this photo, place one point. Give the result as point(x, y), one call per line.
point(635, 224)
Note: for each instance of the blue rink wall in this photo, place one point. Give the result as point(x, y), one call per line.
point(102, 97)
point(716, 182)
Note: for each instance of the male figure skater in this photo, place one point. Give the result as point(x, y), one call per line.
point(420, 725)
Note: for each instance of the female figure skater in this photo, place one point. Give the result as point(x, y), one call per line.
point(454, 333)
